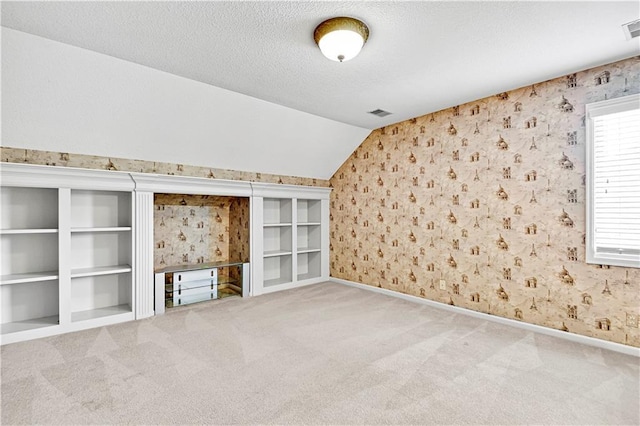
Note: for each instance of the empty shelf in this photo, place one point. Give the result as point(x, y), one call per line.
point(100, 312)
point(30, 324)
point(28, 231)
point(30, 277)
point(102, 229)
point(101, 270)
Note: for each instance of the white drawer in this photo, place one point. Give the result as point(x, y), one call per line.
point(192, 291)
point(200, 274)
point(192, 298)
point(210, 284)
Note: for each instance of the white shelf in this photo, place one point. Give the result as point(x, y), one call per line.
point(29, 254)
point(309, 264)
point(308, 239)
point(102, 229)
point(30, 324)
point(100, 209)
point(26, 208)
point(274, 225)
point(277, 240)
point(302, 250)
point(276, 281)
point(278, 270)
point(309, 211)
point(277, 211)
point(100, 312)
point(28, 231)
point(274, 253)
point(30, 277)
point(91, 250)
point(103, 270)
point(308, 276)
point(309, 224)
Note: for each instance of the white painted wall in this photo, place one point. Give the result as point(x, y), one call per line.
point(57, 97)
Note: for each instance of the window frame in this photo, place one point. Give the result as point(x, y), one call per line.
point(592, 110)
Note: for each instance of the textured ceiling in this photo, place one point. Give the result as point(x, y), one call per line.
point(420, 57)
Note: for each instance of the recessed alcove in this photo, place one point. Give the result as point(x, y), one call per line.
point(197, 229)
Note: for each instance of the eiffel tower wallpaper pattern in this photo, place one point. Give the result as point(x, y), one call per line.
point(488, 196)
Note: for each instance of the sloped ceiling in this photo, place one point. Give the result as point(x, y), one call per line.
point(420, 57)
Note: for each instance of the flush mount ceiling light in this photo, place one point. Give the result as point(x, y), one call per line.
point(341, 38)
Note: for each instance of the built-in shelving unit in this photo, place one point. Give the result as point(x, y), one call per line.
point(309, 248)
point(294, 251)
point(277, 240)
point(29, 280)
point(101, 254)
point(77, 246)
point(66, 248)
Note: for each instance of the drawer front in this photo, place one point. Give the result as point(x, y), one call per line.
point(193, 298)
point(192, 286)
point(183, 292)
point(201, 274)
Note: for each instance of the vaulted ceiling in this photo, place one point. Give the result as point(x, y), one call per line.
point(420, 57)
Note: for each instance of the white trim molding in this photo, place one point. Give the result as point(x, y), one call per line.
point(143, 255)
point(270, 190)
point(30, 175)
point(577, 338)
point(190, 185)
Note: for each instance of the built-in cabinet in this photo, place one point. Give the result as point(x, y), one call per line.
point(309, 239)
point(67, 251)
point(101, 254)
point(29, 280)
point(76, 246)
point(294, 249)
point(277, 238)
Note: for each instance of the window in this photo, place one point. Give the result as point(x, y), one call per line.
point(613, 182)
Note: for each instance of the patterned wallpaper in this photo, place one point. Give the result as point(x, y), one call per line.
point(239, 226)
point(193, 229)
point(489, 197)
point(64, 159)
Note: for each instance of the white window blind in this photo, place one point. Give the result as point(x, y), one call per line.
point(613, 176)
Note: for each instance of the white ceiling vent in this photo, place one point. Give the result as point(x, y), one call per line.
point(379, 112)
point(631, 29)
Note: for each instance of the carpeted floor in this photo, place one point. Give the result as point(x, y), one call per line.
point(323, 354)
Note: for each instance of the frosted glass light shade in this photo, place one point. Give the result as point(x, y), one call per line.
point(341, 39)
point(341, 45)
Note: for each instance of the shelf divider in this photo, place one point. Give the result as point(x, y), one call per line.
point(28, 231)
point(30, 277)
point(275, 253)
point(102, 229)
point(100, 270)
point(303, 250)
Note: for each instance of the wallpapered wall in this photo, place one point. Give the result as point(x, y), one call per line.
point(239, 226)
point(193, 229)
point(490, 197)
point(64, 159)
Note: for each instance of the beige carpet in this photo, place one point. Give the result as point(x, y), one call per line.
point(324, 354)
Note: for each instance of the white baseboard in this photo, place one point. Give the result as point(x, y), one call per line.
point(577, 338)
